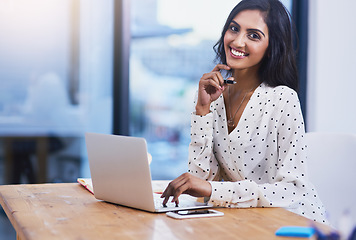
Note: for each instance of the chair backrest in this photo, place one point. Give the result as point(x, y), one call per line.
point(332, 170)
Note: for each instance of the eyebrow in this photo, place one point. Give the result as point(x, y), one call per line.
point(253, 29)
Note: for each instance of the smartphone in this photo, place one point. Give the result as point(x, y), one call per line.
point(194, 213)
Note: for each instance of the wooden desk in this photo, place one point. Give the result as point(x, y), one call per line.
point(68, 211)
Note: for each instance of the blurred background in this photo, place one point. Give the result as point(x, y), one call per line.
point(132, 67)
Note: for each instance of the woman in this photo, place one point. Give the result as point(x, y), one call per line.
point(247, 139)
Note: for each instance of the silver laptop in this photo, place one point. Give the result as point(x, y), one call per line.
point(120, 174)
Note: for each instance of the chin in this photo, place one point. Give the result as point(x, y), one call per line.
point(235, 66)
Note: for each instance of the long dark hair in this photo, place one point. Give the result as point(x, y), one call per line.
point(278, 67)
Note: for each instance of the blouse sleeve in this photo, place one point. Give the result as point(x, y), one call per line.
point(201, 160)
point(287, 184)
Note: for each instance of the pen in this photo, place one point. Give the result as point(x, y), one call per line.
point(229, 81)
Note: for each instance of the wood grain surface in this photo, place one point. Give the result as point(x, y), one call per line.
point(69, 211)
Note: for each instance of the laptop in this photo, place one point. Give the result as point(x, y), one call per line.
point(121, 174)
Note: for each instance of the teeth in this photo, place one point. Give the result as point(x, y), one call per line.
point(237, 53)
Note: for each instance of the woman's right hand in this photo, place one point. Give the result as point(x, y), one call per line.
point(211, 85)
point(186, 184)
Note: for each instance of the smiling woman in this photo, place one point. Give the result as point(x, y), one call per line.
point(255, 157)
point(246, 39)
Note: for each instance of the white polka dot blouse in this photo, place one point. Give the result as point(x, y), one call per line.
point(261, 163)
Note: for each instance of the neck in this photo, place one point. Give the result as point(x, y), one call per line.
point(245, 80)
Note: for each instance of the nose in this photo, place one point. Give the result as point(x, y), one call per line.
point(240, 40)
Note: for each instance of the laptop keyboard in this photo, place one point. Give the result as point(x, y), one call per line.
point(158, 202)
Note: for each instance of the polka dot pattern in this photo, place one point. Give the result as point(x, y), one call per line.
point(261, 163)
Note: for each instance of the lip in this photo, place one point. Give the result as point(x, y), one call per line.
point(237, 56)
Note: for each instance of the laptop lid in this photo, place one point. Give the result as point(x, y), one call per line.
point(120, 170)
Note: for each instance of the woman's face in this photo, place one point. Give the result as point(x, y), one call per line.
point(246, 40)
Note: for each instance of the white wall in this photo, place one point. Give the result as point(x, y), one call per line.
point(331, 97)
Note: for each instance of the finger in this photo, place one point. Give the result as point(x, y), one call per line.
point(176, 201)
point(210, 76)
point(211, 82)
point(166, 194)
point(219, 78)
point(166, 197)
point(179, 192)
point(169, 191)
point(165, 201)
point(215, 76)
point(219, 67)
point(181, 187)
point(169, 187)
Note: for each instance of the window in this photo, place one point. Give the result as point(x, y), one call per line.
point(56, 83)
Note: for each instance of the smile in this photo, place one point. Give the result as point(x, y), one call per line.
point(238, 53)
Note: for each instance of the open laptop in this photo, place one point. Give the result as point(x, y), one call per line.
point(121, 174)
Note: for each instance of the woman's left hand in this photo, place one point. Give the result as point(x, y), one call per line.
point(187, 184)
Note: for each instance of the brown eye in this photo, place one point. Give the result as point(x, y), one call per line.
point(254, 36)
point(234, 28)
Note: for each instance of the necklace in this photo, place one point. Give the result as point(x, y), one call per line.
point(231, 122)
